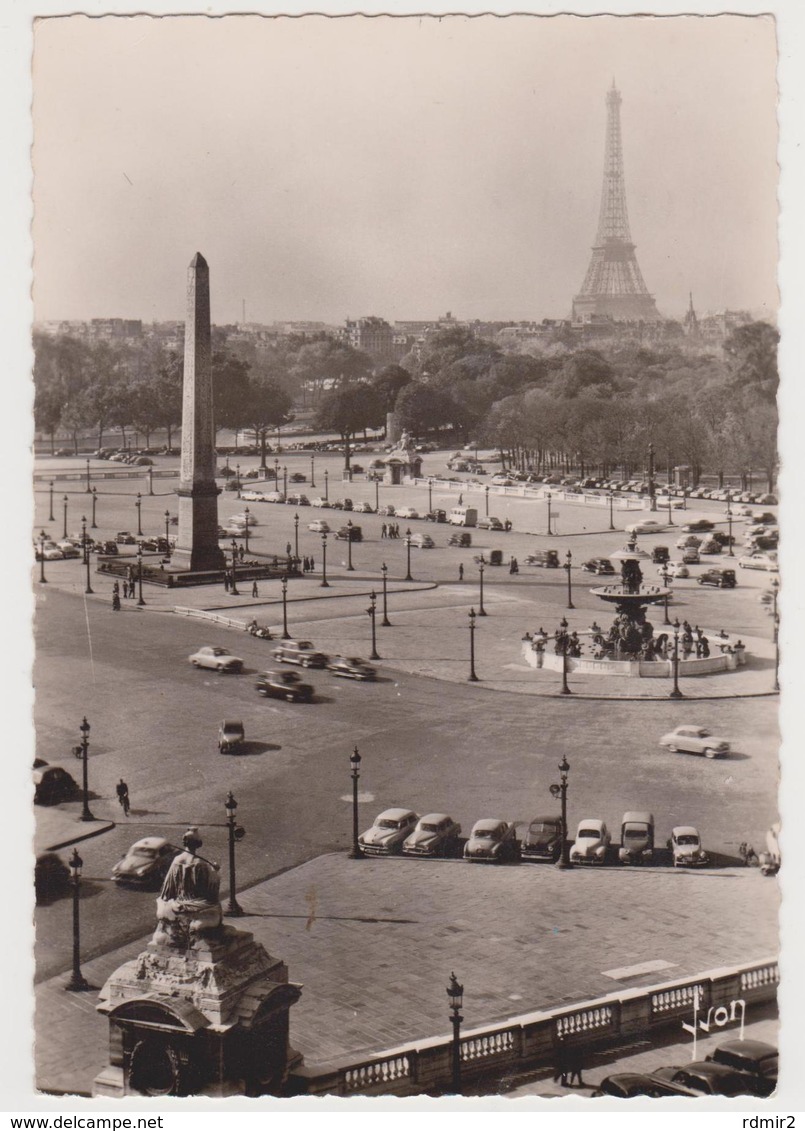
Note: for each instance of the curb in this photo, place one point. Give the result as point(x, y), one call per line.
point(105, 827)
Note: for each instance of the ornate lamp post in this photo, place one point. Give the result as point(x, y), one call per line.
point(568, 560)
point(325, 584)
point(565, 688)
point(651, 486)
point(64, 503)
point(94, 504)
point(560, 790)
point(408, 576)
point(85, 548)
point(548, 498)
point(237, 480)
point(168, 530)
point(326, 485)
point(42, 578)
point(285, 633)
point(296, 536)
point(236, 832)
point(455, 995)
point(670, 512)
point(372, 611)
point(350, 566)
point(234, 589)
point(50, 515)
point(276, 473)
point(386, 623)
point(78, 983)
point(730, 550)
point(285, 482)
point(684, 498)
point(664, 572)
point(611, 498)
point(486, 499)
point(481, 609)
point(675, 693)
point(88, 488)
point(138, 502)
point(247, 513)
point(355, 764)
point(86, 815)
point(430, 494)
point(140, 601)
point(472, 677)
point(312, 471)
point(377, 496)
point(150, 480)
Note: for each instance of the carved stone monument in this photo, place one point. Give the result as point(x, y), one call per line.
point(197, 542)
point(203, 1010)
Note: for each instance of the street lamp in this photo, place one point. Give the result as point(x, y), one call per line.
point(64, 502)
point(42, 578)
point(325, 584)
point(472, 677)
point(246, 530)
point(355, 763)
point(167, 532)
point(237, 479)
point(285, 482)
point(684, 498)
point(85, 548)
point(372, 611)
point(88, 489)
point(408, 576)
point(568, 559)
point(563, 644)
point(285, 633)
point(350, 566)
point(86, 815)
point(138, 504)
point(455, 996)
point(651, 488)
point(676, 693)
point(296, 536)
point(312, 471)
point(670, 511)
point(611, 498)
point(78, 983)
point(326, 485)
point(140, 600)
point(94, 504)
point(664, 572)
point(50, 516)
point(560, 791)
point(276, 472)
point(386, 623)
point(481, 609)
point(236, 832)
point(234, 590)
point(430, 494)
point(730, 550)
point(377, 496)
point(486, 499)
point(150, 480)
point(548, 498)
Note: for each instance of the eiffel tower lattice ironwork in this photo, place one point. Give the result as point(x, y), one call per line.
point(613, 286)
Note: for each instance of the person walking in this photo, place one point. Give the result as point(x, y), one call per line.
point(560, 1066)
point(226, 581)
point(254, 589)
point(312, 565)
point(241, 552)
point(123, 796)
point(575, 1066)
point(288, 548)
point(460, 571)
point(383, 530)
point(115, 600)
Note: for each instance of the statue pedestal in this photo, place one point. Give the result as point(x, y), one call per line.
point(210, 1019)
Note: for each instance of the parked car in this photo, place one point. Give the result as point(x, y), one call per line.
point(721, 578)
point(298, 477)
point(319, 526)
point(591, 843)
point(436, 515)
point(435, 835)
point(49, 551)
point(660, 554)
point(757, 1058)
point(637, 838)
point(230, 736)
point(462, 539)
point(690, 556)
point(108, 548)
point(695, 740)
point(699, 524)
point(646, 526)
point(543, 841)
point(320, 502)
point(299, 652)
point(219, 659)
point(390, 830)
point(146, 863)
point(760, 559)
point(52, 785)
point(490, 522)
point(363, 508)
point(352, 667)
point(407, 512)
point(711, 1079)
point(709, 545)
point(51, 877)
point(688, 540)
point(686, 847)
point(674, 569)
point(598, 565)
point(422, 542)
point(349, 533)
point(125, 538)
point(491, 841)
point(627, 1085)
point(765, 517)
point(548, 559)
point(283, 685)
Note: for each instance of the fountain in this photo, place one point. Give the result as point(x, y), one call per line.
point(631, 635)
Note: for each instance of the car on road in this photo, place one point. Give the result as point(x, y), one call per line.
point(108, 548)
point(363, 508)
point(51, 877)
point(349, 533)
point(218, 659)
point(491, 841)
point(591, 843)
point(690, 556)
point(319, 526)
point(743, 511)
point(688, 540)
point(283, 685)
point(125, 538)
point(674, 569)
point(436, 515)
point(49, 551)
point(627, 1085)
point(275, 497)
point(757, 1058)
point(463, 539)
point(297, 501)
point(436, 834)
point(686, 847)
point(721, 578)
point(407, 512)
point(422, 542)
point(543, 840)
point(646, 526)
point(490, 523)
point(146, 863)
point(547, 559)
point(598, 565)
point(390, 830)
point(765, 517)
point(231, 736)
point(52, 785)
point(69, 549)
point(691, 739)
point(700, 524)
point(711, 1079)
point(709, 545)
point(723, 538)
point(352, 667)
point(299, 652)
point(760, 559)
point(637, 838)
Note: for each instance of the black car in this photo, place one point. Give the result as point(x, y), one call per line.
point(697, 526)
point(51, 877)
point(598, 565)
point(436, 515)
point(108, 548)
point(53, 784)
point(350, 533)
point(723, 538)
point(284, 685)
point(757, 1058)
point(626, 1085)
point(721, 578)
point(543, 841)
point(463, 539)
point(660, 555)
point(712, 1079)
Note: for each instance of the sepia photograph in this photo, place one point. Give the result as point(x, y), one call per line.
point(405, 599)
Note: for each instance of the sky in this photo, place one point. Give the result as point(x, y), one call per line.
point(334, 168)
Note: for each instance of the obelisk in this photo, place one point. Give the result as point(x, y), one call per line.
point(197, 546)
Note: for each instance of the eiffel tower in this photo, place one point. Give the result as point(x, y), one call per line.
point(613, 286)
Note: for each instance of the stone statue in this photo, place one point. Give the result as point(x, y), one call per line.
point(632, 575)
point(404, 442)
point(188, 904)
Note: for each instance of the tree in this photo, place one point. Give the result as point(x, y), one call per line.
point(230, 390)
point(267, 406)
point(388, 383)
point(347, 410)
point(421, 407)
point(751, 352)
point(328, 363)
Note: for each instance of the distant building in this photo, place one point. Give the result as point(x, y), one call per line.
point(374, 336)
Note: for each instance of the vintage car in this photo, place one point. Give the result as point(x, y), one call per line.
point(299, 652)
point(349, 533)
point(757, 1058)
point(491, 841)
point(627, 1085)
point(688, 540)
point(407, 512)
point(320, 502)
point(711, 1079)
point(695, 740)
point(721, 578)
point(319, 526)
point(759, 560)
point(146, 863)
point(50, 551)
point(422, 542)
point(709, 545)
point(686, 847)
point(219, 659)
point(637, 838)
point(352, 667)
point(390, 830)
point(51, 877)
point(646, 526)
point(660, 554)
point(125, 538)
point(591, 843)
point(436, 834)
point(673, 569)
point(463, 539)
point(543, 840)
point(598, 565)
point(52, 785)
point(699, 525)
point(436, 515)
point(690, 556)
point(283, 685)
point(363, 508)
point(490, 523)
point(230, 736)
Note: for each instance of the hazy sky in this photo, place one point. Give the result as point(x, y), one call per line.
point(333, 168)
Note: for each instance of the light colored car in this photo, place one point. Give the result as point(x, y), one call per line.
point(252, 496)
point(275, 497)
point(299, 652)
point(407, 512)
point(219, 659)
point(591, 843)
point(491, 840)
point(243, 519)
point(146, 863)
point(422, 542)
point(688, 540)
point(319, 526)
point(675, 569)
point(49, 551)
point(686, 847)
point(320, 502)
point(390, 829)
point(695, 740)
point(690, 555)
point(646, 526)
point(435, 835)
point(742, 511)
point(352, 667)
point(761, 559)
point(364, 508)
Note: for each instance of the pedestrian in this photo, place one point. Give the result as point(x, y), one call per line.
point(132, 587)
point(226, 581)
point(115, 602)
point(460, 571)
point(241, 552)
point(254, 589)
point(575, 1066)
point(560, 1066)
point(461, 499)
point(288, 549)
point(312, 565)
point(123, 796)
point(116, 589)
point(383, 530)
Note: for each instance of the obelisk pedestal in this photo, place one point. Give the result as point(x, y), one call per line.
point(197, 546)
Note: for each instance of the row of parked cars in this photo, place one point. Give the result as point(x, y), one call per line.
point(734, 1068)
